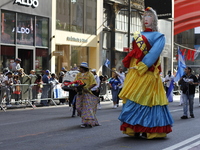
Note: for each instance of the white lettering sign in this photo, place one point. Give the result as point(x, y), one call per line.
point(22, 30)
point(32, 3)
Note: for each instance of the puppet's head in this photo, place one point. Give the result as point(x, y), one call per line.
point(150, 19)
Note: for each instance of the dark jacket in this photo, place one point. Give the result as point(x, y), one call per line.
point(190, 87)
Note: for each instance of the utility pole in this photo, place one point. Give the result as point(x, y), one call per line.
point(129, 21)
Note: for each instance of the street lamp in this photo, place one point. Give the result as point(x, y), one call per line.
point(129, 21)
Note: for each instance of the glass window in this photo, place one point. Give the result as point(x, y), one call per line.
point(77, 15)
point(7, 27)
point(7, 56)
point(90, 24)
point(63, 15)
point(25, 29)
point(78, 55)
point(41, 61)
point(42, 28)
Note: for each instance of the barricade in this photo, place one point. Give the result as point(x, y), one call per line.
point(105, 93)
point(29, 93)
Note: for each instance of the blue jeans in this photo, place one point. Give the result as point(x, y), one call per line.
point(45, 93)
point(188, 99)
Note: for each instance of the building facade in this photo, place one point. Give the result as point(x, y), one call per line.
point(25, 33)
point(76, 31)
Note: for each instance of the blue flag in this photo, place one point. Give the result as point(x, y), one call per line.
point(181, 66)
point(107, 62)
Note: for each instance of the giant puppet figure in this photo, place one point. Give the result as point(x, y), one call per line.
point(145, 106)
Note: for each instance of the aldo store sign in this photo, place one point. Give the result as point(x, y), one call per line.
point(28, 3)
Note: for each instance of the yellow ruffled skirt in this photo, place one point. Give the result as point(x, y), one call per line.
point(146, 89)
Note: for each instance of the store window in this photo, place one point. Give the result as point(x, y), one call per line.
point(7, 27)
point(25, 29)
point(79, 54)
point(41, 61)
point(42, 28)
point(7, 55)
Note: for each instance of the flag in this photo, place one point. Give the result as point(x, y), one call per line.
point(107, 62)
point(181, 66)
point(170, 91)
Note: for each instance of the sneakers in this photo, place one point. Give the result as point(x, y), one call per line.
point(83, 125)
point(99, 106)
point(192, 116)
point(115, 106)
point(184, 117)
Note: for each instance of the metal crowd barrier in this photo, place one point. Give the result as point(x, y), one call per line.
point(26, 95)
point(105, 93)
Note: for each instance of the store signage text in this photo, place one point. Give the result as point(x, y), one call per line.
point(28, 3)
point(22, 30)
point(77, 39)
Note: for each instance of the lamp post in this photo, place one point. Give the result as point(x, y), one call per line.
point(129, 21)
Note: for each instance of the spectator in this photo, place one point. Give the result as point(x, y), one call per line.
point(121, 76)
point(36, 88)
point(33, 77)
point(63, 71)
point(16, 68)
point(7, 83)
point(75, 67)
point(115, 83)
point(46, 88)
point(188, 83)
point(86, 103)
point(16, 89)
point(96, 89)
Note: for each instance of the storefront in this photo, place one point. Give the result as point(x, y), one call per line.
point(25, 32)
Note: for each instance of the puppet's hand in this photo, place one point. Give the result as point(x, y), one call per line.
point(142, 68)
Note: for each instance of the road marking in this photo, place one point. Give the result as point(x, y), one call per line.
point(173, 147)
point(190, 146)
point(176, 110)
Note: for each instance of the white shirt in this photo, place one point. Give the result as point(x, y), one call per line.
point(10, 80)
point(15, 67)
point(168, 78)
point(98, 83)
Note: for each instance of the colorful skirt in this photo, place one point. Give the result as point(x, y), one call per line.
point(86, 105)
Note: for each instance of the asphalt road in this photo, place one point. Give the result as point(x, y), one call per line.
point(50, 128)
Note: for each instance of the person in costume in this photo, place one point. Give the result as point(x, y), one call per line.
point(145, 106)
point(86, 102)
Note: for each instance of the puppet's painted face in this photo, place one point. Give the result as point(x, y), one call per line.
point(148, 20)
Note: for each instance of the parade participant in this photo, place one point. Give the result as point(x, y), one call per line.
point(169, 77)
point(145, 106)
point(86, 103)
point(188, 83)
point(121, 76)
point(114, 84)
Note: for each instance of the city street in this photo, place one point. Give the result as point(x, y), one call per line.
point(50, 128)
